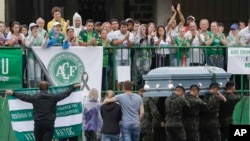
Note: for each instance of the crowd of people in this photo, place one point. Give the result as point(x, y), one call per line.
point(132, 117)
point(162, 45)
point(184, 118)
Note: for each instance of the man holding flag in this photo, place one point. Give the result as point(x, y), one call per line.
point(44, 109)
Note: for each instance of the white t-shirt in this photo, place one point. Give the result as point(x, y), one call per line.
point(163, 44)
point(10, 36)
point(122, 54)
point(196, 54)
point(245, 35)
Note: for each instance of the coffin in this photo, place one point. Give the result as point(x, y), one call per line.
point(160, 82)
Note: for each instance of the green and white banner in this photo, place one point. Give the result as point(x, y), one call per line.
point(69, 115)
point(10, 68)
point(238, 60)
point(76, 64)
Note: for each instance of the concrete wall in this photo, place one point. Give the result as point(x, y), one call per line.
point(162, 11)
point(2, 10)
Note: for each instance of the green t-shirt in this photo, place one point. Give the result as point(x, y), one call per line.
point(105, 53)
point(84, 36)
point(217, 42)
point(185, 50)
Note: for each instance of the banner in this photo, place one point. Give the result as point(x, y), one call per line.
point(76, 64)
point(10, 68)
point(238, 60)
point(68, 121)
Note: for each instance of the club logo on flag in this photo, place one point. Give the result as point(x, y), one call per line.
point(66, 67)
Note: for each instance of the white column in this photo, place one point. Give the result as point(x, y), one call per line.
point(163, 11)
point(2, 10)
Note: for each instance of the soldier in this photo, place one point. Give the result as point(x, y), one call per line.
point(210, 127)
point(174, 110)
point(191, 115)
point(151, 117)
point(226, 110)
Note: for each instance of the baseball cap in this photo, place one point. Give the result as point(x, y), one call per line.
point(191, 17)
point(195, 86)
point(57, 23)
point(234, 26)
point(32, 25)
point(98, 23)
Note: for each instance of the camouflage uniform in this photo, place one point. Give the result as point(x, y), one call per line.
point(150, 119)
point(209, 125)
point(226, 112)
point(174, 126)
point(191, 117)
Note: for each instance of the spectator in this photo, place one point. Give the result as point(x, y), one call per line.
point(132, 112)
point(15, 38)
point(233, 39)
point(162, 40)
point(106, 26)
point(245, 35)
point(33, 66)
point(2, 33)
point(106, 59)
point(111, 126)
point(89, 36)
point(56, 13)
point(98, 27)
point(196, 39)
point(92, 120)
point(40, 22)
point(135, 28)
point(77, 24)
point(182, 54)
point(221, 28)
point(210, 127)
point(122, 38)
point(172, 24)
point(226, 110)
point(142, 57)
point(114, 27)
point(44, 109)
point(152, 34)
point(215, 55)
point(204, 25)
point(175, 104)
point(24, 30)
point(130, 22)
point(56, 37)
point(71, 39)
point(190, 18)
point(242, 24)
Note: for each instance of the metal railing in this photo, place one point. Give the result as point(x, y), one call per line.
point(156, 56)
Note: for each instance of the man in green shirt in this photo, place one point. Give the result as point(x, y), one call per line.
point(88, 37)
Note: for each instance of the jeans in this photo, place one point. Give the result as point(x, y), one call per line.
point(110, 137)
point(130, 131)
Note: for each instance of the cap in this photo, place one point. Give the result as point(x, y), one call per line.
point(69, 28)
point(191, 17)
point(213, 85)
point(195, 86)
point(32, 25)
point(98, 23)
point(234, 26)
point(129, 20)
point(220, 24)
point(180, 87)
point(57, 23)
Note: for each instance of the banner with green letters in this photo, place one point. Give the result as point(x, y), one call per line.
point(68, 121)
point(10, 68)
